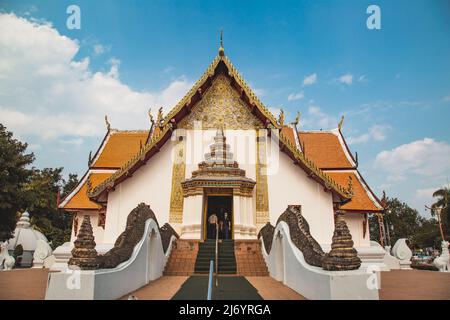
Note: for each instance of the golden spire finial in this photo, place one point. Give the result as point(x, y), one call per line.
point(159, 116)
point(221, 49)
point(281, 118)
point(108, 125)
point(341, 123)
point(152, 121)
point(297, 118)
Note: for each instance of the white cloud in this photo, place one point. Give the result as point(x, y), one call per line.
point(45, 92)
point(75, 141)
point(309, 80)
point(168, 69)
point(296, 96)
point(375, 133)
point(426, 158)
point(100, 49)
point(446, 99)
point(346, 79)
point(259, 92)
point(317, 119)
point(275, 111)
point(362, 78)
point(424, 197)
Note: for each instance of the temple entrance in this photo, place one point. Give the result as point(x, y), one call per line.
point(222, 207)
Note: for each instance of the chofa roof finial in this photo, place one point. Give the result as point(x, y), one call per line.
point(221, 49)
point(281, 118)
point(297, 118)
point(152, 121)
point(108, 125)
point(159, 117)
point(341, 123)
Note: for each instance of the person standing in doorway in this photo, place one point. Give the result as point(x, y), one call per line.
point(226, 226)
point(212, 220)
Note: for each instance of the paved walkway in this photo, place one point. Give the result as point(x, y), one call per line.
point(23, 284)
point(415, 285)
point(161, 289)
point(271, 289)
point(168, 287)
point(30, 284)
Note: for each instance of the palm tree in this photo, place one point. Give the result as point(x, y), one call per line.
point(442, 208)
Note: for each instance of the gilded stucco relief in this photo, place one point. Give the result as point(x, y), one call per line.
point(221, 107)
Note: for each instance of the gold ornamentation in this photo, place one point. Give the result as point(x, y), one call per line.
point(297, 118)
point(221, 107)
point(221, 49)
point(341, 123)
point(262, 195)
point(108, 125)
point(152, 121)
point(281, 118)
point(350, 185)
point(159, 118)
point(178, 173)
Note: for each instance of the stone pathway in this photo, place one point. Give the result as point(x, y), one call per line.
point(162, 288)
point(271, 289)
point(415, 285)
point(30, 284)
point(23, 284)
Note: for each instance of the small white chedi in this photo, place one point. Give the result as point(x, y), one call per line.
point(442, 262)
point(31, 240)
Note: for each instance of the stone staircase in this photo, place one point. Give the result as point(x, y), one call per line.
point(249, 258)
point(182, 258)
point(242, 257)
point(206, 253)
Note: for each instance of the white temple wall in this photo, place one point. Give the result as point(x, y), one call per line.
point(355, 225)
point(150, 184)
point(97, 230)
point(289, 185)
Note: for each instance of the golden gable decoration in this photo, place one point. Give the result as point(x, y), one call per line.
point(221, 107)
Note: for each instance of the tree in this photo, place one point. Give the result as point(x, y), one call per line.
point(428, 234)
point(42, 189)
point(406, 222)
point(70, 184)
point(14, 174)
point(443, 204)
point(402, 220)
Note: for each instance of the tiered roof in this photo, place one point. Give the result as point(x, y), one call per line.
point(329, 151)
point(221, 64)
point(116, 149)
point(323, 155)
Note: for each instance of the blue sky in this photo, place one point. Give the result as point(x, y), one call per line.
point(393, 84)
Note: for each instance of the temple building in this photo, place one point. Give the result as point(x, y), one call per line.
point(221, 151)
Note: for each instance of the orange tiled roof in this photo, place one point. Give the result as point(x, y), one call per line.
point(325, 150)
point(360, 200)
point(183, 107)
point(120, 147)
point(80, 200)
point(289, 134)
